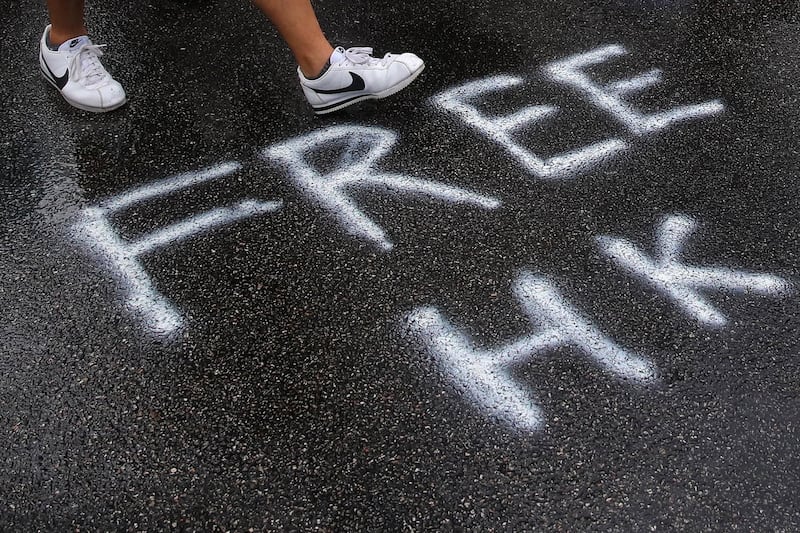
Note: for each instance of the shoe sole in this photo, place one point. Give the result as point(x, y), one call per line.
point(81, 106)
point(377, 96)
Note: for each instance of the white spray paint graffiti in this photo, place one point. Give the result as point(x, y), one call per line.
point(95, 230)
point(681, 282)
point(610, 97)
point(485, 374)
point(364, 147)
point(501, 129)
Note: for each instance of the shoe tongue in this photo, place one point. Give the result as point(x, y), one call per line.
point(72, 45)
point(337, 56)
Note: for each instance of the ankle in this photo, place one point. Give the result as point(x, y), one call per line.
point(313, 65)
point(313, 69)
point(58, 36)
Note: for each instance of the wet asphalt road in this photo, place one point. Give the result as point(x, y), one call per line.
point(271, 373)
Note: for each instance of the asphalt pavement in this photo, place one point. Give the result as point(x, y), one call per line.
point(553, 285)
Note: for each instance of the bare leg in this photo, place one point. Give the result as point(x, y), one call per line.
point(297, 23)
point(66, 17)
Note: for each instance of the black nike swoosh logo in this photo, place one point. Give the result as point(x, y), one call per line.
point(357, 85)
point(60, 81)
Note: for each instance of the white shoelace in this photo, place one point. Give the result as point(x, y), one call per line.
point(362, 55)
point(86, 64)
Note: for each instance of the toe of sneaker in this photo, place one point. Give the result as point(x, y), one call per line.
point(411, 61)
point(107, 97)
point(97, 99)
point(112, 95)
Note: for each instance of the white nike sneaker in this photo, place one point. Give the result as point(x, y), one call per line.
point(76, 71)
point(354, 75)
